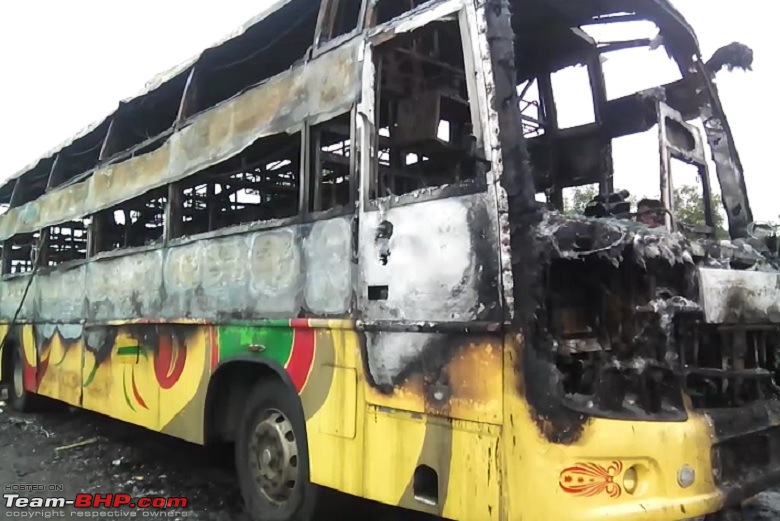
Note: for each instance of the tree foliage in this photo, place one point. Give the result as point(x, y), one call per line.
point(689, 208)
point(579, 199)
point(688, 203)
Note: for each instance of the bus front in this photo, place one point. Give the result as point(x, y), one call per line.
point(641, 362)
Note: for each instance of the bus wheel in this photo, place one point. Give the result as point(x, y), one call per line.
point(19, 398)
point(272, 457)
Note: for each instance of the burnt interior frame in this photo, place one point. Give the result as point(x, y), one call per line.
point(108, 236)
point(313, 206)
point(478, 183)
point(281, 152)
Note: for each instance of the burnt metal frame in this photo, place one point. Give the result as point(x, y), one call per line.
point(107, 156)
point(694, 157)
point(173, 202)
point(315, 171)
point(323, 39)
point(382, 34)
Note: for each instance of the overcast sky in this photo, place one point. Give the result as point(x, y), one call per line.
point(67, 64)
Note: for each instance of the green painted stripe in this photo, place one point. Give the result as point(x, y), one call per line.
point(124, 390)
point(128, 351)
point(91, 375)
point(236, 341)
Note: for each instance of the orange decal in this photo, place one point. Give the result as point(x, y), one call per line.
point(591, 479)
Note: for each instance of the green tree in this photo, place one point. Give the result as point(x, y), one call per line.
point(689, 208)
point(688, 203)
point(580, 196)
point(579, 199)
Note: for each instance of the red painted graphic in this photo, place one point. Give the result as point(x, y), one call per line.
point(302, 356)
point(591, 479)
point(170, 361)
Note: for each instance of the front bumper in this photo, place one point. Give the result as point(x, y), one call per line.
point(659, 471)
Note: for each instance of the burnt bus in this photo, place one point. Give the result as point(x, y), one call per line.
point(337, 242)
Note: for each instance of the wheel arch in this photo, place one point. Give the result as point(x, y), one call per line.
point(228, 388)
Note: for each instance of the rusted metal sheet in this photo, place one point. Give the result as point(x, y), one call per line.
point(315, 92)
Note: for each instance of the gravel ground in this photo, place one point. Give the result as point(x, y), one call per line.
point(121, 458)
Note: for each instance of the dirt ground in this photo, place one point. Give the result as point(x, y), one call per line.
point(120, 458)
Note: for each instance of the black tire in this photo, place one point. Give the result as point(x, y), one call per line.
point(19, 399)
point(273, 410)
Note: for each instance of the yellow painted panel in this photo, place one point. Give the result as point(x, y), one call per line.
point(475, 474)
point(61, 378)
point(341, 404)
point(463, 454)
point(586, 479)
point(394, 444)
point(475, 383)
point(335, 405)
point(121, 389)
point(176, 393)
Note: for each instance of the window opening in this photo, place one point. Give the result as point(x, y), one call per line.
point(138, 222)
point(264, 50)
point(632, 46)
point(573, 97)
point(341, 17)
point(138, 125)
point(386, 10)
point(66, 242)
point(331, 161)
point(20, 253)
point(31, 185)
point(80, 157)
point(424, 131)
point(260, 184)
point(531, 109)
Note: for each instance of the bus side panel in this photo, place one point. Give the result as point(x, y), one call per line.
point(154, 376)
point(463, 454)
point(320, 358)
point(457, 376)
point(60, 351)
point(334, 404)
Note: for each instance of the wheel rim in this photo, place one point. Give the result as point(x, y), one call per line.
point(18, 379)
point(273, 457)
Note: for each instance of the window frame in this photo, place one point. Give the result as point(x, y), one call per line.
point(323, 39)
point(419, 18)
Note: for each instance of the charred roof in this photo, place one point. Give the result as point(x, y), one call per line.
point(546, 42)
point(271, 30)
